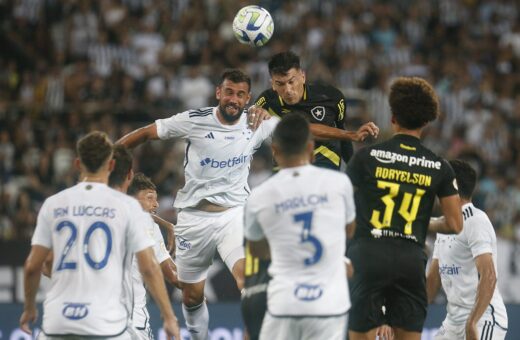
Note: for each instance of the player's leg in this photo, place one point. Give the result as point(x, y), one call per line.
point(195, 310)
point(406, 299)
point(254, 307)
point(276, 328)
point(230, 243)
point(196, 247)
point(331, 328)
point(373, 273)
point(447, 332)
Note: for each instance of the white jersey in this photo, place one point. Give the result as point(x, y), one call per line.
point(140, 314)
point(217, 156)
point(93, 231)
point(456, 255)
point(303, 212)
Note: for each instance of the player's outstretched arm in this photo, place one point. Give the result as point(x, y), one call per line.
point(433, 280)
point(139, 136)
point(154, 281)
point(451, 222)
point(32, 273)
point(485, 290)
point(324, 132)
point(170, 232)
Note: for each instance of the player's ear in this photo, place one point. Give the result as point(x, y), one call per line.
point(275, 150)
point(111, 164)
point(77, 164)
point(310, 150)
point(130, 175)
point(217, 92)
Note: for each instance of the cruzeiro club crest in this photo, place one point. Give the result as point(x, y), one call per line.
point(318, 113)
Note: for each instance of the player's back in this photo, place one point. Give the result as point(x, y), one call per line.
point(398, 181)
point(93, 232)
point(303, 212)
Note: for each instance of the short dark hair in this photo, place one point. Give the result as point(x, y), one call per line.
point(281, 63)
point(413, 102)
point(292, 134)
point(123, 164)
point(236, 76)
point(466, 177)
point(94, 150)
point(140, 182)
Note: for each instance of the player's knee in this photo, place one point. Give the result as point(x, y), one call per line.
point(192, 297)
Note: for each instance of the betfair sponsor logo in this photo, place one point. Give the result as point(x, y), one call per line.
point(389, 157)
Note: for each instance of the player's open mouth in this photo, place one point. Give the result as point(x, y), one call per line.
point(231, 109)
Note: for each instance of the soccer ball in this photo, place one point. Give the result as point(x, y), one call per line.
point(253, 25)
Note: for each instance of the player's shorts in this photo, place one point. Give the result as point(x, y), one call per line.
point(389, 272)
point(200, 234)
point(141, 324)
point(304, 328)
point(254, 307)
point(487, 330)
point(128, 334)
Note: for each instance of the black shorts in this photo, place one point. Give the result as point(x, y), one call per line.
point(389, 272)
point(254, 307)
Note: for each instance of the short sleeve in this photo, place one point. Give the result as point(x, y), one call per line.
point(252, 229)
point(448, 185)
point(178, 125)
point(137, 237)
point(43, 232)
point(354, 169)
point(159, 248)
point(349, 201)
point(480, 235)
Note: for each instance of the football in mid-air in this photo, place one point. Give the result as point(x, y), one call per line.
point(253, 25)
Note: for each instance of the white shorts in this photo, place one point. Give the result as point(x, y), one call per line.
point(487, 330)
point(128, 334)
point(304, 328)
point(200, 234)
point(141, 324)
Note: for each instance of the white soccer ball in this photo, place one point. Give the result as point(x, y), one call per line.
point(253, 25)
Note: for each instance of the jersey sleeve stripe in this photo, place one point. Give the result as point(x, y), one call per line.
point(328, 153)
point(201, 112)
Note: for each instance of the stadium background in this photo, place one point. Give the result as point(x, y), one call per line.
point(68, 67)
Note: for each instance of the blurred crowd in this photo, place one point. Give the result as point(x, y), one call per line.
point(70, 66)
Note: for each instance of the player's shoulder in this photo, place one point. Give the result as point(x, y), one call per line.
point(320, 90)
point(200, 113)
point(476, 218)
point(267, 99)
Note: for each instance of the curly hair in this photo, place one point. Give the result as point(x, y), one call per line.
point(413, 102)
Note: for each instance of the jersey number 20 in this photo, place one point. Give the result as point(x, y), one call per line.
point(306, 236)
point(72, 239)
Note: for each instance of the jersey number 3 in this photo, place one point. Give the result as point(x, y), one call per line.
point(408, 209)
point(72, 239)
point(306, 236)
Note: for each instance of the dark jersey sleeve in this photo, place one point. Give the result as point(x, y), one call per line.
point(354, 168)
point(267, 100)
point(448, 184)
point(347, 149)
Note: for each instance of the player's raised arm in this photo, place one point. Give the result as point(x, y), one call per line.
point(153, 278)
point(451, 222)
point(324, 132)
point(139, 136)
